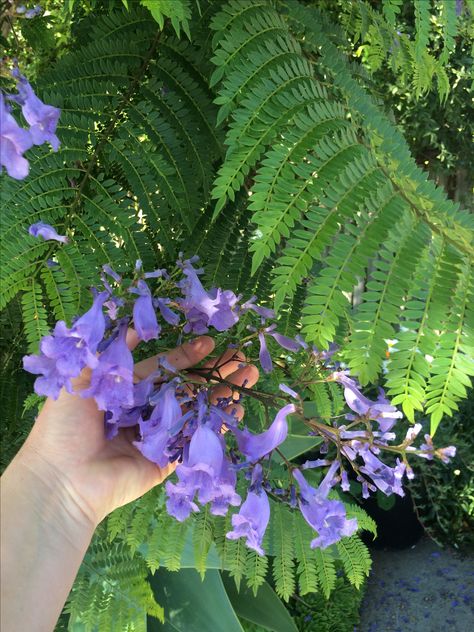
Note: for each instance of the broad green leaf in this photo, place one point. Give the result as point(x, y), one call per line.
point(265, 609)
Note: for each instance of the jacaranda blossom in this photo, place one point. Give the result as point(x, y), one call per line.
point(43, 119)
point(199, 474)
point(14, 141)
point(387, 479)
point(327, 517)
point(216, 308)
point(155, 431)
point(112, 379)
point(47, 232)
point(381, 410)
point(66, 352)
point(287, 343)
point(144, 316)
point(224, 491)
point(252, 520)
point(256, 446)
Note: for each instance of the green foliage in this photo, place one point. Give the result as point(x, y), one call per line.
point(256, 141)
point(415, 42)
point(316, 185)
point(178, 11)
point(444, 495)
point(111, 592)
point(339, 613)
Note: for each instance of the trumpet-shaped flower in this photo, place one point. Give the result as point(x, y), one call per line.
point(256, 446)
point(327, 517)
point(112, 379)
point(43, 119)
point(252, 520)
point(144, 316)
point(47, 232)
point(14, 141)
point(66, 352)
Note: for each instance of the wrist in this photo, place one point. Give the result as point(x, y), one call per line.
point(52, 495)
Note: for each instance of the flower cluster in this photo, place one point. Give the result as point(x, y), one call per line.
point(16, 140)
point(179, 420)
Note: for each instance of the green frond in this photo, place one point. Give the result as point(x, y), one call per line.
point(175, 534)
point(352, 174)
point(355, 559)
point(423, 324)
point(255, 570)
point(325, 570)
point(111, 592)
point(202, 538)
point(387, 286)
point(453, 362)
point(177, 11)
point(34, 315)
point(326, 302)
point(283, 565)
point(449, 24)
point(305, 557)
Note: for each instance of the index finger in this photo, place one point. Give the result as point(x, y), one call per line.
point(183, 357)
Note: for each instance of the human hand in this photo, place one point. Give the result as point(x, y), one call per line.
point(67, 444)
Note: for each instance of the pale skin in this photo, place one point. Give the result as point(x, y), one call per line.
point(66, 478)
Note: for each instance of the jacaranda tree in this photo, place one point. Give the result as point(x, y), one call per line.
point(248, 133)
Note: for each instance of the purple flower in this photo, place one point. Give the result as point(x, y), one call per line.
point(256, 446)
point(155, 432)
point(252, 520)
point(66, 352)
point(157, 274)
point(112, 379)
point(287, 343)
point(144, 317)
point(224, 493)
point(289, 391)
point(216, 308)
point(199, 473)
point(47, 232)
point(34, 12)
point(264, 355)
point(427, 448)
point(42, 118)
point(172, 318)
point(204, 463)
point(327, 517)
point(14, 141)
point(180, 503)
point(264, 312)
point(113, 306)
point(446, 454)
point(387, 479)
point(108, 270)
point(380, 410)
